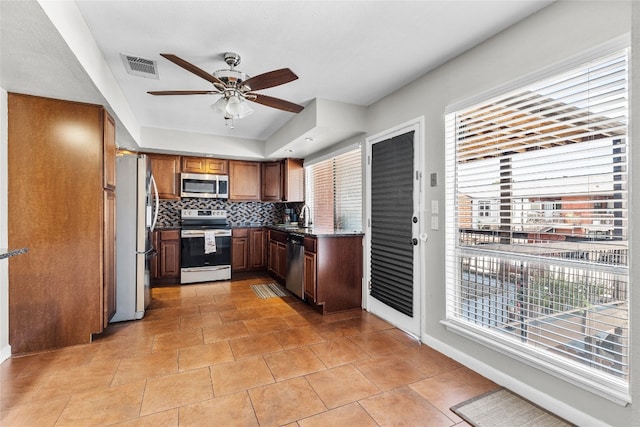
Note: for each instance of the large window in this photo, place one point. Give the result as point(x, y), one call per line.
point(333, 191)
point(537, 242)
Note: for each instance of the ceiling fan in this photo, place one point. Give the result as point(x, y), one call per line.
point(236, 87)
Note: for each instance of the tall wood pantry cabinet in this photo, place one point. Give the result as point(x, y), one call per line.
point(61, 183)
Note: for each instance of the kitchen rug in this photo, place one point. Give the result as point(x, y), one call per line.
point(503, 408)
point(268, 290)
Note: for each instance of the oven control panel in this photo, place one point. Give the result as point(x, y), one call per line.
point(203, 214)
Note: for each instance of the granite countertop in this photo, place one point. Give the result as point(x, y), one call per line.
point(287, 228)
point(8, 253)
point(315, 232)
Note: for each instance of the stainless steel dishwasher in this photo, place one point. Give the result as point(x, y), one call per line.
point(295, 264)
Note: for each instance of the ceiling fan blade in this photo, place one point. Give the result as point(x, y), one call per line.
point(278, 103)
point(183, 92)
point(270, 79)
point(192, 68)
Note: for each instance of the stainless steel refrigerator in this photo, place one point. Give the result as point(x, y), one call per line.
point(136, 214)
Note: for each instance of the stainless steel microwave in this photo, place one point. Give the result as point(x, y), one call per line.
point(204, 185)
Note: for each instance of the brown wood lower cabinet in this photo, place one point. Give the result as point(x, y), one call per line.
point(165, 266)
point(248, 251)
point(240, 249)
point(278, 255)
point(257, 248)
point(310, 276)
point(333, 272)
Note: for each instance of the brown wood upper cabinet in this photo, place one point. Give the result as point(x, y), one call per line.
point(166, 172)
point(244, 180)
point(272, 181)
point(292, 180)
point(205, 165)
point(283, 181)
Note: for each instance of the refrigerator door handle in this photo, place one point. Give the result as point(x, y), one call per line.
point(150, 252)
point(157, 203)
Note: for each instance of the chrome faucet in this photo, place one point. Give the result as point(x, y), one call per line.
point(306, 216)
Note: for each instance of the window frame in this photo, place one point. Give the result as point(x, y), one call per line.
point(334, 158)
point(604, 385)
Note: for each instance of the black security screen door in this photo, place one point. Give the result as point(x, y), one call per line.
point(392, 209)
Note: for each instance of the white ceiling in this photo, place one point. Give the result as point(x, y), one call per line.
point(354, 52)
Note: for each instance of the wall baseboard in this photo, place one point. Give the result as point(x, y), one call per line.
point(534, 395)
point(5, 353)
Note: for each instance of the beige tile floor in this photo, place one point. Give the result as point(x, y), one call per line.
point(214, 354)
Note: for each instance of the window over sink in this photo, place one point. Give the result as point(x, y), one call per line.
point(333, 190)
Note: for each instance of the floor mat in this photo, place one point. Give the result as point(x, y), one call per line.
point(503, 408)
point(269, 290)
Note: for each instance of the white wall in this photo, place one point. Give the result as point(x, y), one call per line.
point(68, 20)
point(5, 349)
point(192, 142)
point(562, 30)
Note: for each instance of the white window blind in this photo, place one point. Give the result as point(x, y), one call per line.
point(334, 191)
point(537, 243)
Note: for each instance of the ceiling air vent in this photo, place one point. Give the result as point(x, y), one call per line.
point(140, 66)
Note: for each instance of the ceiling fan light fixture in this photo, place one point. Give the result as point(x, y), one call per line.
point(220, 106)
point(244, 109)
point(233, 105)
point(237, 107)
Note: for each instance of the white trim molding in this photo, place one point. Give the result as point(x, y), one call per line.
point(533, 394)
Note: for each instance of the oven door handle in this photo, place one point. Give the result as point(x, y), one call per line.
point(192, 233)
point(211, 268)
point(200, 233)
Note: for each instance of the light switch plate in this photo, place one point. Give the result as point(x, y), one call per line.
point(434, 222)
point(434, 179)
point(434, 207)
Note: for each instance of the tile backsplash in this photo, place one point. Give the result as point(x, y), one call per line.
point(238, 213)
